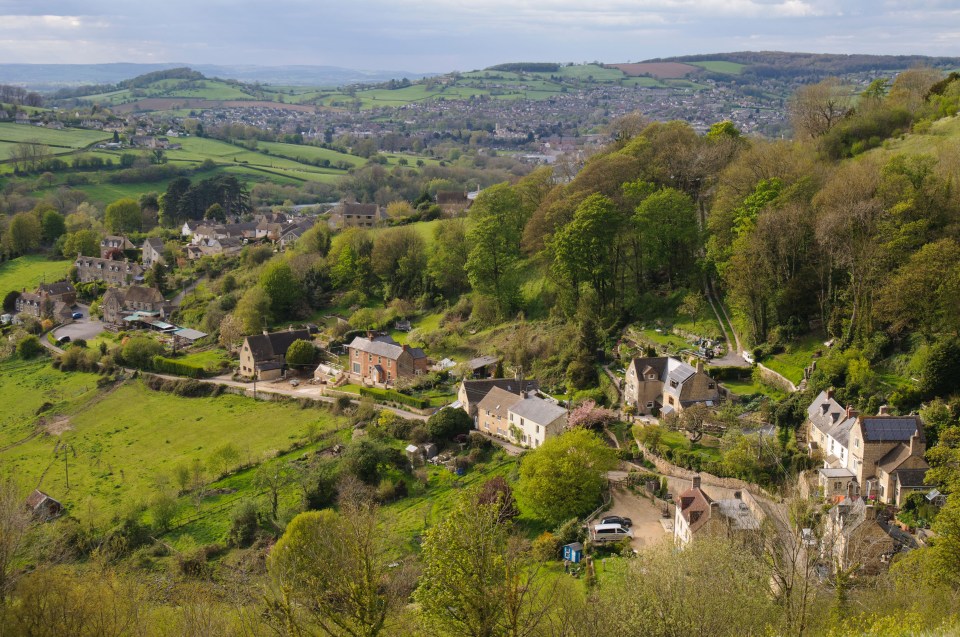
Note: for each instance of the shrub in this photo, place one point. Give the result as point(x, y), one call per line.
point(385, 395)
point(29, 347)
point(139, 351)
point(448, 423)
point(177, 368)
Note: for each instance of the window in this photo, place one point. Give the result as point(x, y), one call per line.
point(856, 443)
point(651, 377)
point(356, 353)
point(538, 428)
point(837, 485)
point(650, 405)
point(670, 400)
point(673, 384)
point(379, 359)
point(356, 368)
point(711, 386)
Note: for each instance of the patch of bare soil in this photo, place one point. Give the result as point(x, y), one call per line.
point(57, 425)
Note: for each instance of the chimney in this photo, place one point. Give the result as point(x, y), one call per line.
point(370, 334)
point(714, 509)
point(851, 412)
point(884, 410)
point(696, 481)
point(830, 394)
point(700, 366)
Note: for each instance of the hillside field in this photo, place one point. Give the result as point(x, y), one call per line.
point(29, 271)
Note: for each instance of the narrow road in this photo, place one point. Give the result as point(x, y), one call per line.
point(733, 357)
point(187, 290)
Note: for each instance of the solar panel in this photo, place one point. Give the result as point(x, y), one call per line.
point(889, 429)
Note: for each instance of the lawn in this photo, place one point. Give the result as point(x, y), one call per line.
point(747, 387)
point(411, 516)
point(29, 271)
point(796, 358)
point(125, 440)
point(66, 138)
point(708, 448)
point(27, 385)
point(212, 359)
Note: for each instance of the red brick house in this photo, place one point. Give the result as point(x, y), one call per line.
point(381, 360)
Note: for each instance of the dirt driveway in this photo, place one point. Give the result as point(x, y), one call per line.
point(646, 516)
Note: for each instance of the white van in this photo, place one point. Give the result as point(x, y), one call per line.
point(610, 533)
point(748, 356)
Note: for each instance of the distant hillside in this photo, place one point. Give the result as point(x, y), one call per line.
point(53, 76)
point(779, 63)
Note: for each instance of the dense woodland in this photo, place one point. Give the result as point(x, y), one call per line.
point(835, 233)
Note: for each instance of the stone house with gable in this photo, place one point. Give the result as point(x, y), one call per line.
point(113, 245)
point(118, 273)
point(882, 456)
point(471, 392)
point(666, 385)
point(356, 215)
point(263, 356)
point(54, 300)
point(120, 302)
point(152, 251)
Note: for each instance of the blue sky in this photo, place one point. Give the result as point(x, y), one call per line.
point(443, 35)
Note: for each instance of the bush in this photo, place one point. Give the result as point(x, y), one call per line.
point(139, 351)
point(29, 347)
point(177, 368)
point(387, 395)
point(448, 423)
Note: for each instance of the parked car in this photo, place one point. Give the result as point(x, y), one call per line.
point(609, 533)
point(63, 339)
point(616, 519)
point(77, 315)
point(294, 383)
point(748, 356)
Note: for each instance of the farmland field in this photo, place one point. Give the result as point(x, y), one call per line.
point(29, 271)
point(721, 66)
point(662, 70)
point(128, 437)
point(67, 137)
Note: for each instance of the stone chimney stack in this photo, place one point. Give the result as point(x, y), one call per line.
point(700, 366)
point(884, 410)
point(830, 393)
point(851, 412)
point(696, 481)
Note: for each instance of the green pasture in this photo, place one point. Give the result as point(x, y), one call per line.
point(721, 66)
point(128, 439)
point(29, 271)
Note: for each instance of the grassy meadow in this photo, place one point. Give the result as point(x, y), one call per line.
point(29, 271)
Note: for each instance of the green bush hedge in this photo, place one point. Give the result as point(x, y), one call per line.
point(395, 396)
point(167, 366)
point(729, 373)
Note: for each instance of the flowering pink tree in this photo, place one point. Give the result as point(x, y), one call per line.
point(589, 416)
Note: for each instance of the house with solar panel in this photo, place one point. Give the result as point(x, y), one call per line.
point(878, 457)
point(664, 385)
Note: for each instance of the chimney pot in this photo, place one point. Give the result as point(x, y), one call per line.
point(851, 412)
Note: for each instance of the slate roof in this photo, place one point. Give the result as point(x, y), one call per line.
point(498, 401)
point(361, 209)
point(482, 361)
point(142, 294)
point(383, 346)
point(154, 242)
point(265, 347)
point(57, 288)
point(891, 428)
point(538, 410)
point(894, 458)
point(911, 477)
point(477, 389)
point(829, 417)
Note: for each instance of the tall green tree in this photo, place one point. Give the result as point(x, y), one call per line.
point(253, 310)
point(668, 227)
point(447, 262)
point(24, 233)
point(334, 568)
point(123, 216)
point(52, 225)
point(565, 476)
point(279, 282)
point(84, 242)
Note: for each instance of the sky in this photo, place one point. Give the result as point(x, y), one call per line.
point(445, 35)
